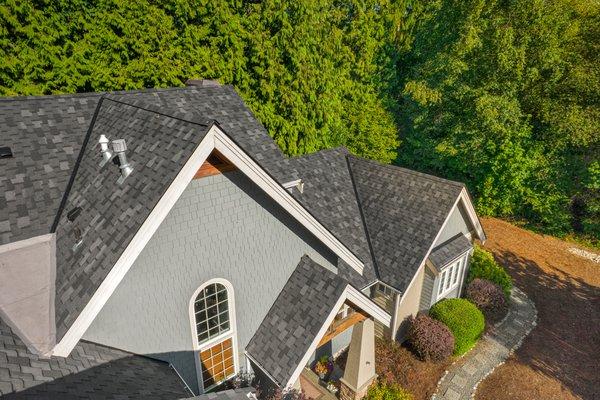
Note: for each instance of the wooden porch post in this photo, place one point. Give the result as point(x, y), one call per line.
point(360, 365)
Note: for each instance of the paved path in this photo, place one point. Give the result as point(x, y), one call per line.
point(462, 377)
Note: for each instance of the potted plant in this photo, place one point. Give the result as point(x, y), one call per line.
point(323, 367)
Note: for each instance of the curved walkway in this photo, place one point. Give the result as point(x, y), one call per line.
point(461, 379)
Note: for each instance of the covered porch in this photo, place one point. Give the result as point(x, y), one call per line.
point(316, 308)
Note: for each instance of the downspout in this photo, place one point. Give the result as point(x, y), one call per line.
point(182, 380)
point(395, 316)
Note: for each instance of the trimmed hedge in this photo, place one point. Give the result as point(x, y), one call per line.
point(388, 391)
point(464, 320)
point(484, 266)
point(488, 297)
point(430, 339)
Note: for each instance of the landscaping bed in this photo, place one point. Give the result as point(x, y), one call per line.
point(560, 357)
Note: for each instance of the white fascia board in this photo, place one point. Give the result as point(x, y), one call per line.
point(466, 199)
point(214, 139)
point(277, 192)
point(350, 294)
point(313, 346)
point(135, 247)
point(358, 298)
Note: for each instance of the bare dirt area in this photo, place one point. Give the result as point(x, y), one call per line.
point(560, 359)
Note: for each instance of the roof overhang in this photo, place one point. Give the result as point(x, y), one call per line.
point(351, 295)
point(215, 139)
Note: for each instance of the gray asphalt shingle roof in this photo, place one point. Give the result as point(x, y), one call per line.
point(91, 371)
point(330, 196)
point(403, 210)
point(157, 147)
point(448, 251)
point(45, 135)
point(294, 320)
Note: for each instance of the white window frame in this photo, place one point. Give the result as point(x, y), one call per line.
point(231, 333)
point(449, 274)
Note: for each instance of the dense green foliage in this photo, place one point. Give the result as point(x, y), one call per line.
point(311, 70)
point(505, 96)
point(464, 320)
point(484, 266)
point(387, 391)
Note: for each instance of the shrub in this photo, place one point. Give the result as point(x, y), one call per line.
point(464, 320)
point(484, 266)
point(387, 391)
point(430, 340)
point(488, 297)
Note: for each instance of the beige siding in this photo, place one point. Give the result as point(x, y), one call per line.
point(409, 304)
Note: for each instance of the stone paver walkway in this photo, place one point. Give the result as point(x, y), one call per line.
point(461, 379)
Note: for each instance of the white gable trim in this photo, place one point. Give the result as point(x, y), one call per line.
point(214, 139)
point(354, 296)
point(466, 200)
point(250, 168)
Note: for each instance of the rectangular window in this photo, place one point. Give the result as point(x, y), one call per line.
point(442, 282)
point(457, 272)
point(217, 363)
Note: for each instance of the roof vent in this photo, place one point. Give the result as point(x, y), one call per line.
point(106, 152)
point(5, 152)
point(202, 82)
point(119, 147)
point(298, 184)
point(74, 213)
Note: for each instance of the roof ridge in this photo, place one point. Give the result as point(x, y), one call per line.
point(206, 123)
point(411, 171)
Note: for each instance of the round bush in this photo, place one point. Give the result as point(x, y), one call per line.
point(430, 340)
point(387, 391)
point(488, 297)
point(464, 320)
point(483, 266)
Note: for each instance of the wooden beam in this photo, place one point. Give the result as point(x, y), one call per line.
point(340, 326)
point(215, 164)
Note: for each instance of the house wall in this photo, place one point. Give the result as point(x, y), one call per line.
point(222, 226)
point(418, 297)
point(409, 305)
point(458, 222)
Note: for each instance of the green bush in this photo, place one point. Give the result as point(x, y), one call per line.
point(483, 266)
point(464, 320)
point(387, 391)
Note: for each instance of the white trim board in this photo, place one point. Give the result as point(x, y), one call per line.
point(352, 295)
point(215, 139)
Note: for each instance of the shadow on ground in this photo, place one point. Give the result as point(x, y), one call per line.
point(566, 343)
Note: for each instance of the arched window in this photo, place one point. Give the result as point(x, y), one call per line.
point(213, 326)
point(212, 312)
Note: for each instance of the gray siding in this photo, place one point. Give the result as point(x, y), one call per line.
point(458, 222)
point(427, 290)
point(223, 226)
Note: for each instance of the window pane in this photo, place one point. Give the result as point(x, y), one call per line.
point(212, 312)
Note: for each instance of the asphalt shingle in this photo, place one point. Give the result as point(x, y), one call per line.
point(294, 320)
point(403, 210)
point(91, 371)
point(448, 251)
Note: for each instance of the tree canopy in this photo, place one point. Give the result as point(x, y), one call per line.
point(501, 94)
point(504, 95)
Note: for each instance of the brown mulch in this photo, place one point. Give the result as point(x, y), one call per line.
point(397, 364)
point(560, 359)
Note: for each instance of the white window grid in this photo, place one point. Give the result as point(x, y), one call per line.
point(449, 278)
point(212, 313)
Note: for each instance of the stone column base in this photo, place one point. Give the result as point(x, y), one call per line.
point(347, 392)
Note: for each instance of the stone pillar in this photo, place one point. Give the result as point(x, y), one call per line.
point(360, 365)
